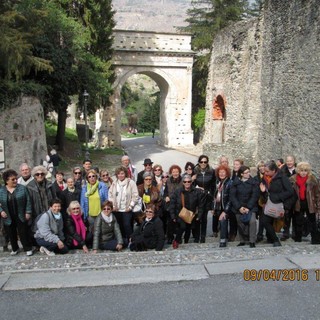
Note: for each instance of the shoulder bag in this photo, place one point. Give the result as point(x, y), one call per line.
point(274, 210)
point(185, 214)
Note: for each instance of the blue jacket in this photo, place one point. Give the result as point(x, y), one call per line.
point(103, 193)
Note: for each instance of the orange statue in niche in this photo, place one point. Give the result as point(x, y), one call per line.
point(218, 112)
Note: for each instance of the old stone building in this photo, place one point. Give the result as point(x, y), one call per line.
point(23, 132)
point(263, 86)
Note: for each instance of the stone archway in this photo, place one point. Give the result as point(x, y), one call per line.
point(165, 58)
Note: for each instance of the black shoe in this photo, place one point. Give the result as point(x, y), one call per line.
point(223, 244)
point(277, 244)
point(297, 239)
point(196, 240)
point(252, 245)
point(186, 241)
point(241, 244)
point(202, 240)
point(270, 241)
point(259, 238)
point(169, 241)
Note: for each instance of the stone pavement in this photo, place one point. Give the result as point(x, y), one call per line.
point(190, 262)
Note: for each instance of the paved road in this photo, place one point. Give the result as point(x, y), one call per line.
point(219, 297)
point(146, 147)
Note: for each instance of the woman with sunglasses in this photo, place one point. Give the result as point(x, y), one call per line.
point(41, 191)
point(77, 236)
point(15, 211)
point(150, 234)
point(148, 192)
point(205, 180)
point(157, 174)
point(93, 194)
point(77, 176)
point(105, 178)
point(192, 199)
point(107, 234)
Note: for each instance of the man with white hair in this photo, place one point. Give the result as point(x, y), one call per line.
point(132, 171)
point(25, 172)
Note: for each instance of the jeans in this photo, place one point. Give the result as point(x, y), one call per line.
point(125, 221)
point(52, 246)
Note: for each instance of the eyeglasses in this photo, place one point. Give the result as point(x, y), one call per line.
point(203, 161)
point(106, 209)
point(76, 208)
point(105, 175)
point(187, 181)
point(157, 170)
point(13, 179)
point(148, 165)
point(150, 211)
point(39, 174)
point(147, 179)
point(90, 177)
point(77, 172)
point(165, 177)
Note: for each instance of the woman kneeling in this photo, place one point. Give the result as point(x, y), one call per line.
point(107, 234)
point(150, 235)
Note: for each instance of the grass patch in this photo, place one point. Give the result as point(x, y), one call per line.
point(74, 151)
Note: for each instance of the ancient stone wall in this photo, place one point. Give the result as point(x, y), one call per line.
point(267, 71)
point(22, 128)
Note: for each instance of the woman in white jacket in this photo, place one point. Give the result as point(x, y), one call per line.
point(124, 195)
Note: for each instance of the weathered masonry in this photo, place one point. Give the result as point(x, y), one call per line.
point(166, 58)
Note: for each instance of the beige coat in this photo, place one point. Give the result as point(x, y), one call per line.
point(131, 193)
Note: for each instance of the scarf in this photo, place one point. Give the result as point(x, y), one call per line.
point(301, 183)
point(121, 195)
point(267, 179)
point(91, 189)
point(107, 219)
point(80, 228)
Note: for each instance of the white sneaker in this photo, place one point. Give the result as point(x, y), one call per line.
point(29, 253)
point(47, 252)
point(14, 253)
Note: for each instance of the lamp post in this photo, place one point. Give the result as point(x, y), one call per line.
point(85, 99)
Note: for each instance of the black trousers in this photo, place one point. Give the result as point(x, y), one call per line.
point(20, 228)
point(268, 224)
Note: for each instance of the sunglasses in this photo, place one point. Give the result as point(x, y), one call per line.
point(76, 208)
point(106, 209)
point(203, 162)
point(13, 179)
point(39, 174)
point(150, 211)
point(165, 177)
point(148, 165)
point(90, 177)
point(105, 175)
point(186, 181)
point(157, 170)
point(77, 172)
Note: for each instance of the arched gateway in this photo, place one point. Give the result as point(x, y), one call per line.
point(167, 58)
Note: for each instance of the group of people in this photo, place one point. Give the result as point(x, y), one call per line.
point(89, 209)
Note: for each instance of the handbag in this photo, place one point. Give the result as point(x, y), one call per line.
point(245, 218)
point(139, 206)
point(185, 214)
point(274, 210)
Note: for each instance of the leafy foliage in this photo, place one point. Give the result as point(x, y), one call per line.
point(205, 19)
